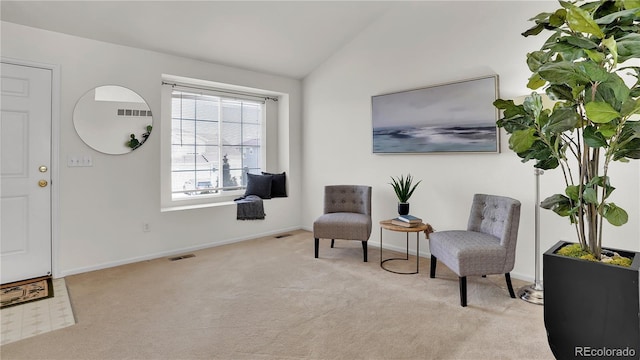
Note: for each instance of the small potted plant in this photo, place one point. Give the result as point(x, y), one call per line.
point(404, 188)
point(587, 67)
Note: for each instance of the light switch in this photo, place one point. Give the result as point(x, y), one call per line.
point(87, 160)
point(79, 161)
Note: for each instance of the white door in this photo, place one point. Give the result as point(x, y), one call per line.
point(25, 183)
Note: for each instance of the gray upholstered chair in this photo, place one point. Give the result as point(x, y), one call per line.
point(488, 246)
point(347, 215)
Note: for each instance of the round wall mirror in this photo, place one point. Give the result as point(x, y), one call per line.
point(112, 119)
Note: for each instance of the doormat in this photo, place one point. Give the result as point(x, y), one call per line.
point(25, 291)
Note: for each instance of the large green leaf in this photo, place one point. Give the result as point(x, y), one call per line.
point(569, 52)
point(538, 151)
point(557, 203)
point(630, 150)
point(510, 108)
point(593, 138)
point(537, 59)
point(608, 130)
point(536, 82)
point(504, 104)
point(590, 196)
point(580, 20)
point(557, 18)
point(601, 112)
point(593, 71)
point(610, 43)
point(633, 127)
point(631, 107)
point(514, 116)
point(629, 143)
point(608, 19)
point(564, 72)
point(615, 215)
point(573, 192)
point(522, 140)
point(595, 55)
point(631, 4)
point(562, 119)
point(548, 163)
point(533, 105)
point(576, 90)
point(560, 92)
point(628, 47)
point(540, 17)
point(603, 182)
point(534, 30)
point(580, 42)
point(617, 87)
point(551, 41)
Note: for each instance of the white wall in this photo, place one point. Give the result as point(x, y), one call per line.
point(103, 208)
point(416, 44)
point(420, 44)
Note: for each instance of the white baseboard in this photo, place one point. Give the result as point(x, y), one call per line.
point(168, 253)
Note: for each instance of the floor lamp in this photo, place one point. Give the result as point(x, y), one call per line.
point(534, 293)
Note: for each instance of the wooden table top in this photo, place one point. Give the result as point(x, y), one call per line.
point(386, 224)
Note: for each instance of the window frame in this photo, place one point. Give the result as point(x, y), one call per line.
point(169, 84)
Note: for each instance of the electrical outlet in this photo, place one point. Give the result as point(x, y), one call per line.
point(146, 227)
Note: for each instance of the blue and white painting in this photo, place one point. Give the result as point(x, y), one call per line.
point(456, 117)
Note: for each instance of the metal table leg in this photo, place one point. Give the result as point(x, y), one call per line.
point(405, 258)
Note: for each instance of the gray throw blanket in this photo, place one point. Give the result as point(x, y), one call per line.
point(250, 208)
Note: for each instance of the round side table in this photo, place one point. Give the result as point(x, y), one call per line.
point(386, 224)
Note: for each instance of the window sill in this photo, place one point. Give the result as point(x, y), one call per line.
point(201, 203)
point(196, 206)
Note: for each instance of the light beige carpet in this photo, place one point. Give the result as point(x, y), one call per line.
point(270, 299)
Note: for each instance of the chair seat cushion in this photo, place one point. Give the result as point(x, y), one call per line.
point(468, 252)
point(342, 225)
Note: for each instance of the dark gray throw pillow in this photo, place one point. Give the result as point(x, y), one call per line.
point(259, 185)
point(278, 184)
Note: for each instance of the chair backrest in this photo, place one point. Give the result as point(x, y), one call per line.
point(498, 216)
point(347, 198)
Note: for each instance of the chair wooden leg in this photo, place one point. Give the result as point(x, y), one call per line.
point(507, 276)
point(364, 250)
point(332, 242)
point(463, 291)
point(434, 262)
point(317, 246)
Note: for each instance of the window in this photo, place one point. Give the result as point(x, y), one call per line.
point(215, 141)
point(212, 135)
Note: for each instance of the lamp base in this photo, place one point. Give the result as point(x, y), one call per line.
point(532, 294)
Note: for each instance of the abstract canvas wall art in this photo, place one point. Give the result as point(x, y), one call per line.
point(455, 117)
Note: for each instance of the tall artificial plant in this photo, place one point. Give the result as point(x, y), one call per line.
point(590, 67)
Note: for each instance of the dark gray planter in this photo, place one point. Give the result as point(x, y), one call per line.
point(403, 208)
point(591, 309)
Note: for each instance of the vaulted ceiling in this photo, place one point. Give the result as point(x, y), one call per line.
point(288, 38)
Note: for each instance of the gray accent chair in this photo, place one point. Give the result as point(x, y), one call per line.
point(347, 215)
point(488, 246)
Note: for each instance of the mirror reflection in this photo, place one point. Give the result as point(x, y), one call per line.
point(112, 119)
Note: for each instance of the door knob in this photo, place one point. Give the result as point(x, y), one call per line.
point(43, 169)
point(43, 183)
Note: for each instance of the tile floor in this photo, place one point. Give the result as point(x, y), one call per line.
point(30, 319)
